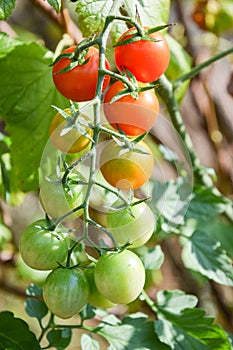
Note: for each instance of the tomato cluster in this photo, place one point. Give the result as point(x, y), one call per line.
point(125, 163)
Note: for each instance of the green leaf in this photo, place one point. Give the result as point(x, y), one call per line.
point(171, 200)
point(7, 44)
point(134, 333)
point(153, 258)
point(175, 301)
point(6, 7)
point(92, 14)
point(88, 343)
point(36, 308)
point(205, 255)
point(87, 312)
point(187, 328)
point(221, 231)
point(205, 204)
point(34, 291)
point(27, 93)
point(59, 338)
point(56, 4)
point(15, 333)
point(151, 12)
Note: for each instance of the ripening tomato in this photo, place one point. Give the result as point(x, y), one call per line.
point(58, 199)
point(147, 60)
point(129, 170)
point(135, 226)
point(72, 141)
point(120, 277)
point(79, 84)
point(42, 248)
point(134, 116)
point(65, 291)
point(95, 298)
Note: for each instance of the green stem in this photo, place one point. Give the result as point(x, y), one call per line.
point(149, 301)
point(194, 71)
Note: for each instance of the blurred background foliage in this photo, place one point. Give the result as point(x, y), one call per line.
point(204, 27)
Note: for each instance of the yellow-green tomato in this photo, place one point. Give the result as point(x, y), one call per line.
point(65, 291)
point(119, 276)
point(42, 248)
point(133, 226)
point(95, 298)
point(58, 199)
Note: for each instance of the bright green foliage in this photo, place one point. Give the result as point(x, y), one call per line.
point(27, 93)
point(6, 7)
point(187, 327)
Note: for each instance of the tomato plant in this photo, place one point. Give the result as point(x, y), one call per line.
point(134, 116)
point(43, 248)
point(66, 291)
point(58, 199)
point(95, 298)
point(78, 84)
point(120, 277)
point(131, 169)
point(134, 224)
point(72, 141)
point(146, 59)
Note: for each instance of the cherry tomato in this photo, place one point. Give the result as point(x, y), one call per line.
point(134, 227)
point(58, 199)
point(128, 170)
point(79, 84)
point(72, 141)
point(120, 277)
point(147, 60)
point(95, 298)
point(66, 291)
point(134, 116)
point(42, 248)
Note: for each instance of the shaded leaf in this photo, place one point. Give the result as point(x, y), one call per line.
point(34, 290)
point(6, 7)
point(15, 333)
point(56, 4)
point(59, 338)
point(36, 308)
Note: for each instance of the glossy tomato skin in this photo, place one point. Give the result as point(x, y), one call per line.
point(95, 298)
point(72, 141)
point(133, 116)
point(57, 200)
point(126, 228)
point(129, 170)
point(42, 248)
point(120, 277)
point(79, 84)
point(65, 291)
point(146, 60)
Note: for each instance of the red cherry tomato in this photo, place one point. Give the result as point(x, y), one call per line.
point(134, 116)
point(79, 84)
point(147, 60)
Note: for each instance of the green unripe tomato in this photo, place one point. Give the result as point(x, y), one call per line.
point(42, 248)
point(65, 291)
point(136, 228)
point(120, 277)
point(95, 298)
point(57, 199)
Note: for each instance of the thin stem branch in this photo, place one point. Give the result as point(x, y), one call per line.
point(194, 71)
